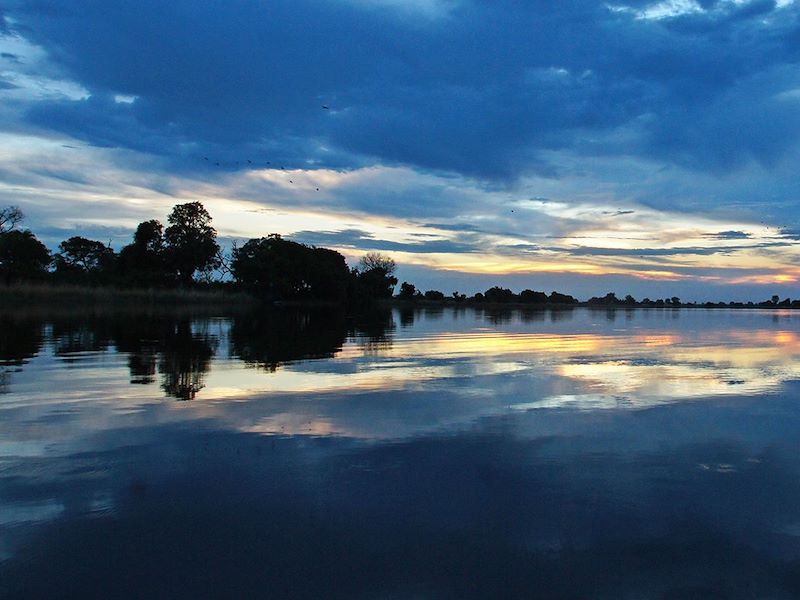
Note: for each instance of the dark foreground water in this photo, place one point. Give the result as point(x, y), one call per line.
point(428, 454)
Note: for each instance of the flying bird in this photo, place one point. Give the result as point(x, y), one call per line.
point(326, 107)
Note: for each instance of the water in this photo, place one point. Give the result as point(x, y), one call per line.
point(412, 454)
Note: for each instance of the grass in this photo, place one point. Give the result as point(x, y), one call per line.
point(70, 297)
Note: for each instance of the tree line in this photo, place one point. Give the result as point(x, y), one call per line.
point(494, 295)
point(186, 253)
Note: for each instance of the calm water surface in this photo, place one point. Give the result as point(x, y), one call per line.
point(406, 454)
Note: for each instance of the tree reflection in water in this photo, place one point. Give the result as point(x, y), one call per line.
point(20, 340)
point(178, 349)
point(142, 344)
point(272, 338)
point(75, 336)
point(185, 357)
point(374, 330)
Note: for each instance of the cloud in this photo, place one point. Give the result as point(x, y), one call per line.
point(618, 213)
point(481, 89)
point(452, 126)
point(363, 240)
point(730, 235)
point(790, 234)
point(694, 250)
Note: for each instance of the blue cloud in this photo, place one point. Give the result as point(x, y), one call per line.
point(484, 89)
point(355, 238)
point(731, 235)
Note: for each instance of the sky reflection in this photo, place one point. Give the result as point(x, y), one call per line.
point(98, 375)
point(437, 454)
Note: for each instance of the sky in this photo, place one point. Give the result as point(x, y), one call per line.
point(639, 147)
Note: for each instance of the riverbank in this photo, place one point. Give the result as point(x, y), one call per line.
point(49, 296)
point(469, 303)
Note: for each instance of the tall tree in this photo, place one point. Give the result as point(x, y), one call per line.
point(375, 276)
point(143, 261)
point(10, 217)
point(407, 291)
point(283, 269)
point(376, 260)
point(83, 260)
point(22, 256)
point(191, 241)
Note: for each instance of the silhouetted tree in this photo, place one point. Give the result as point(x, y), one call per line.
point(282, 269)
point(532, 297)
point(498, 294)
point(376, 260)
point(83, 260)
point(191, 241)
point(407, 291)
point(434, 295)
point(10, 217)
point(375, 276)
point(610, 299)
point(143, 262)
point(22, 256)
point(558, 298)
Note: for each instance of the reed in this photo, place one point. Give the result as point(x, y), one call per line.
point(25, 295)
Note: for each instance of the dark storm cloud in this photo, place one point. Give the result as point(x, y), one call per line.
point(467, 242)
point(476, 88)
point(363, 240)
point(730, 235)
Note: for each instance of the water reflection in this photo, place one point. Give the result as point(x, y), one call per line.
point(75, 339)
point(458, 454)
point(185, 358)
point(20, 340)
point(270, 339)
point(648, 361)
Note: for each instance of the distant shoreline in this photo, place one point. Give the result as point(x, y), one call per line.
point(584, 304)
point(47, 295)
